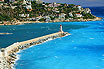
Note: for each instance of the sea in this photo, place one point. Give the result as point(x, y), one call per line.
point(83, 49)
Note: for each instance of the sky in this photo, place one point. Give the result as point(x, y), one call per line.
point(84, 3)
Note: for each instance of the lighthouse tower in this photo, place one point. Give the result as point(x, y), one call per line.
point(61, 28)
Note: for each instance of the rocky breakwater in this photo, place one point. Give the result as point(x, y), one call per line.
point(9, 53)
point(3, 62)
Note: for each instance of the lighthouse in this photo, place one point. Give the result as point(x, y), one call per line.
point(61, 28)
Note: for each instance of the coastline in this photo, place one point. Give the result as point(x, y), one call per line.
point(52, 21)
point(10, 53)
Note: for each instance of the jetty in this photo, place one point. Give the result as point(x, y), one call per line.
point(5, 33)
point(8, 54)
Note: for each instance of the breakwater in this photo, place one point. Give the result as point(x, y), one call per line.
point(8, 55)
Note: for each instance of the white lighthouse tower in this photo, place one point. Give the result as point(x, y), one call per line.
point(61, 28)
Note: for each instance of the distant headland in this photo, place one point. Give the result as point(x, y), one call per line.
point(26, 11)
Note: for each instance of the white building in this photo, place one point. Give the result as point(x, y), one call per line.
point(31, 19)
point(13, 7)
point(78, 15)
point(47, 18)
point(62, 16)
point(24, 15)
point(37, 18)
point(28, 4)
point(79, 7)
point(39, 1)
point(28, 7)
point(56, 10)
point(70, 14)
point(54, 4)
point(87, 10)
point(1, 0)
point(24, 2)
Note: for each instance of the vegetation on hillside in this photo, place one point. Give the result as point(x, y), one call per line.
point(7, 13)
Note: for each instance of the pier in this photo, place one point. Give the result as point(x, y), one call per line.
point(8, 55)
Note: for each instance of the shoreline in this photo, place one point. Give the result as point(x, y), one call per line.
point(53, 21)
point(10, 52)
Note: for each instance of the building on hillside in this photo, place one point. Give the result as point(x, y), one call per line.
point(28, 5)
point(33, 19)
point(11, 0)
point(39, 1)
point(79, 7)
point(29, 2)
point(62, 16)
point(38, 18)
point(78, 15)
point(13, 7)
point(70, 14)
point(24, 2)
point(1, 0)
point(24, 15)
point(1, 5)
point(87, 10)
point(56, 10)
point(54, 4)
point(66, 5)
point(7, 6)
point(47, 18)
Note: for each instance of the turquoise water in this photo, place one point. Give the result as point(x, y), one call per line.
point(84, 49)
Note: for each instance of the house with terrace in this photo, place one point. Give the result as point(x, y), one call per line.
point(78, 15)
point(54, 4)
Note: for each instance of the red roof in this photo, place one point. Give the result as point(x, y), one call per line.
point(77, 13)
